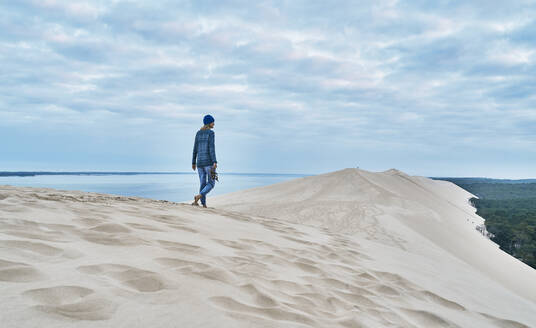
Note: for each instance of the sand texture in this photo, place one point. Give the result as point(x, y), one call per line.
point(349, 248)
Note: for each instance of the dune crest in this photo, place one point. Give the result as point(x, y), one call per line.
point(349, 248)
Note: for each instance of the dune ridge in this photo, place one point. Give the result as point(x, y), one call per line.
point(346, 249)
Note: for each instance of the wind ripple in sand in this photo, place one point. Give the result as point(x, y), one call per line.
point(442, 301)
point(503, 323)
point(428, 319)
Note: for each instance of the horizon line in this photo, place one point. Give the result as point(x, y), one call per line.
point(35, 173)
point(32, 173)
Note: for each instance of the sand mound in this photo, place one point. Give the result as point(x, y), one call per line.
point(391, 208)
point(346, 249)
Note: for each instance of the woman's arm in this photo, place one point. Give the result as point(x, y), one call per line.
point(194, 155)
point(212, 148)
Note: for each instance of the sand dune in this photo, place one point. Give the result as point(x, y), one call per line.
point(345, 249)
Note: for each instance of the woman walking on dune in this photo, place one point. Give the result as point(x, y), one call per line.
point(205, 156)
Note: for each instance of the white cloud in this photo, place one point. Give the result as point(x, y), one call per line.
point(506, 53)
point(80, 9)
point(377, 69)
point(508, 26)
point(409, 116)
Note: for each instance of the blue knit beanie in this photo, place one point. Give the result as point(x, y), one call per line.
point(208, 119)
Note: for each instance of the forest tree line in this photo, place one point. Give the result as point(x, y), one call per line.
point(509, 208)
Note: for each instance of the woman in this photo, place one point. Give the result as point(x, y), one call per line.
point(205, 153)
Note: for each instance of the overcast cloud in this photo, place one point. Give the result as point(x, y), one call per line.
point(447, 89)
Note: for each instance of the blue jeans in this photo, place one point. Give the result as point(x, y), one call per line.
point(206, 186)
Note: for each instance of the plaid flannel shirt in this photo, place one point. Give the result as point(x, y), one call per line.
point(204, 151)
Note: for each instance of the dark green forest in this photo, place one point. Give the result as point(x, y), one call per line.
point(509, 208)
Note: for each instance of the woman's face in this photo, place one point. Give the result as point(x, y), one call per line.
point(211, 125)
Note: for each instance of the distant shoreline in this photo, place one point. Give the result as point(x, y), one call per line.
point(470, 180)
point(455, 180)
point(36, 173)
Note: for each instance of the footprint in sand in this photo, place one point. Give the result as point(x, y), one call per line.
point(183, 227)
point(397, 280)
point(110, 228)
point(236, 216)
point(134, 278)
point(258, 244)
point(366, 277)
point(180, 247)
point(348, 253)
point(189, 266)
point(249, 266)
point(234, 244)
point(235, 308)
point(104, 235)
point(306, 267)
point(300, 241)
point(144, 227)
point(18, 272)
point(203, 270)
point(74, 302)
point(89, 222)
point(170, 219)
point(258, 297)
point(289, 287)
point(356, 299)
point(196, 268)
point(33, 230)
point(218, 274)
point(32, 247)
point(36, 250)
point(386, 290)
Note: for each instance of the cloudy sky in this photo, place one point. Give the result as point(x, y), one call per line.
point(447, 89)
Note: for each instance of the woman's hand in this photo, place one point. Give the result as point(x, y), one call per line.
point(215, 165)
point(193, 167)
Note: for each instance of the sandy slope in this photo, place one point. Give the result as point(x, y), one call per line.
point(346, 249)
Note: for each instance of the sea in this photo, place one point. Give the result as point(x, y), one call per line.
point(175, 187)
